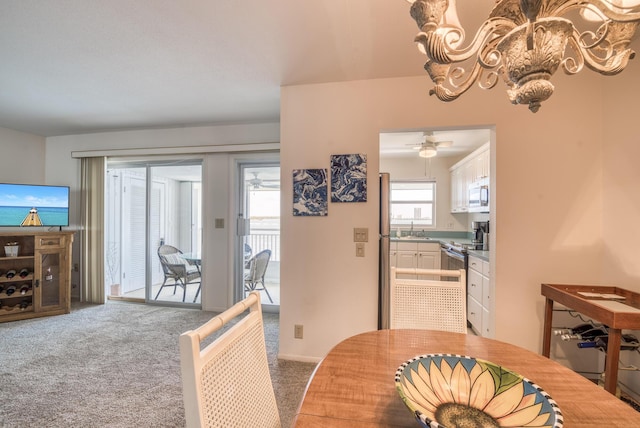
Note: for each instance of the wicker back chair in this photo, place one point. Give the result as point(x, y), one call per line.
point(227, 383)
point(176, 268)
point(254, 276)
point(426, 303)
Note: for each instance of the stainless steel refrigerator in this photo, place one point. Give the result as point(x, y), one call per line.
point(384, 243)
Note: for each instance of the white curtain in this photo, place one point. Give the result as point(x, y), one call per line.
point(92, 233)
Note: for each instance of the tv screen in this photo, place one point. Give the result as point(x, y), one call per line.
point(33, 205)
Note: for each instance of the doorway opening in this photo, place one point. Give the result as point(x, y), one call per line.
point(152, 207)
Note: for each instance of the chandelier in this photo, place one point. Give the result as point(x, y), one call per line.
point(524, 42)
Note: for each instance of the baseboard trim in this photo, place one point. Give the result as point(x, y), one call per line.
point(299, 358)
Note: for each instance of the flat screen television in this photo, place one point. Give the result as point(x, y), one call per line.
point(27, 205)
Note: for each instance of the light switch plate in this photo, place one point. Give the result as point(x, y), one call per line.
point(219, 223)
point(360, 234)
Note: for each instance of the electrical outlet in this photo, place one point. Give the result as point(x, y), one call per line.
point(297, 331)
point(359, 249)
point(450, 225)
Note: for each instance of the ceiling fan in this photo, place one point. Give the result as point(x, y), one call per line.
point(429, 147)
point(259, 183)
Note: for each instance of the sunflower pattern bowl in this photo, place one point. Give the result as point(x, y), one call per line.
point(453, 391)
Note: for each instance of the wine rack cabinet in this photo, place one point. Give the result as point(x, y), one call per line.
point(36, 281)
point(613, 306)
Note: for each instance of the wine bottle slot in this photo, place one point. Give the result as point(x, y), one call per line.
point(628, 342)
point(580, 328)
point(10, 290)
point(24, 272)
point(25, 289)
point(10, 273)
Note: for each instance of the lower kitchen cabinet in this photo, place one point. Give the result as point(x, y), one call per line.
point(412, 255)
point(479, 297)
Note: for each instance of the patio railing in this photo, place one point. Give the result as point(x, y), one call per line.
point(263, 241)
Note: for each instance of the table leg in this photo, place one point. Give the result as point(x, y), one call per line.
point(546, 333)
point(613, 356)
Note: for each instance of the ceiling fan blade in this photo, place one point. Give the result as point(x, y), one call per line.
point(443, 143)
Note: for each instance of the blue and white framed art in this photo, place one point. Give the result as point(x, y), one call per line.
point(349, 178)
point(310, 189)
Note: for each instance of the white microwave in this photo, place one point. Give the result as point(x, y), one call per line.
point(479, 198)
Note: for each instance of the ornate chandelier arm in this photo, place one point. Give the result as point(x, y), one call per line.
point(441, 45)
point(458, 81)
point(614, 55)
point(605, 7)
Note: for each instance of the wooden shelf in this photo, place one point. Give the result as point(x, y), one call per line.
point(622, 312)
point(17, 278)
point(15, 310)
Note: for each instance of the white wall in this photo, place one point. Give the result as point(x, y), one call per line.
point(621, 205)
point(547, 200)
point(61, 168)
point(22, 158)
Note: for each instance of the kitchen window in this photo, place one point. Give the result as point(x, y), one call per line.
point(413, 203)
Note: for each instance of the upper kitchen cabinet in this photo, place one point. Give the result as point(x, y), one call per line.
point(472, 169)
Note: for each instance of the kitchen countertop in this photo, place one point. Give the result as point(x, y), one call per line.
point(481, 254)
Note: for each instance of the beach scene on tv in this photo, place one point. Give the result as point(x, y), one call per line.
point(30, 205)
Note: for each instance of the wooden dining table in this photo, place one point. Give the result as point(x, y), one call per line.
point(353, 386)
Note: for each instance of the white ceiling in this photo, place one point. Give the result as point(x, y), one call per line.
point(407, 143)
point(79, 66)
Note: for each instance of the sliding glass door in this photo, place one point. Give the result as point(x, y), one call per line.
point(154, 231)
point(259, 232)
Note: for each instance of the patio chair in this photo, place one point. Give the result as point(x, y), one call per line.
point(227, 383)
point(176, 268)
point(427, 303)
point(254, 276)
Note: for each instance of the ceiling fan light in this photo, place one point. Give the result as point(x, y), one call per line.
point(427, 152)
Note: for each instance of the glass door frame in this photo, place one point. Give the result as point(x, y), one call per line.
point(241, 224)
point(148, 164)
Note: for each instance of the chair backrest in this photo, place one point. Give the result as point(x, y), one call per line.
point(227, 383)
point(427, 303)
point(258, 265)
point(170, 258)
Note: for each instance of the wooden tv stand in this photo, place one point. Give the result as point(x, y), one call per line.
point(616, 313)
point(44, 288)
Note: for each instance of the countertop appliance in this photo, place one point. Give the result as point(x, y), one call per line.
point(480, 235)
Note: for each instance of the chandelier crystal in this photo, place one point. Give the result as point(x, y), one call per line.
point(524, 42)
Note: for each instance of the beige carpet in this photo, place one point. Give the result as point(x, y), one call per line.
point(113, 365)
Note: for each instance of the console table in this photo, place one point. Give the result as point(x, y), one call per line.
point(615, 307)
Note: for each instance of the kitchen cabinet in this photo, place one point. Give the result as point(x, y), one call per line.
point(36, 281)
point(413, 254)
point(479, 297)
point(472, 169)
point(482, 164)
point(459, 200)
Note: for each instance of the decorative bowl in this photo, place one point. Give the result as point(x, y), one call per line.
point(453, 391)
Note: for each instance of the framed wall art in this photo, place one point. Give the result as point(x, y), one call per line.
point(310, 189)
point(349, 178)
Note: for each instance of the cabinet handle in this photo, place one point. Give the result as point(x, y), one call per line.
point(37, 283)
